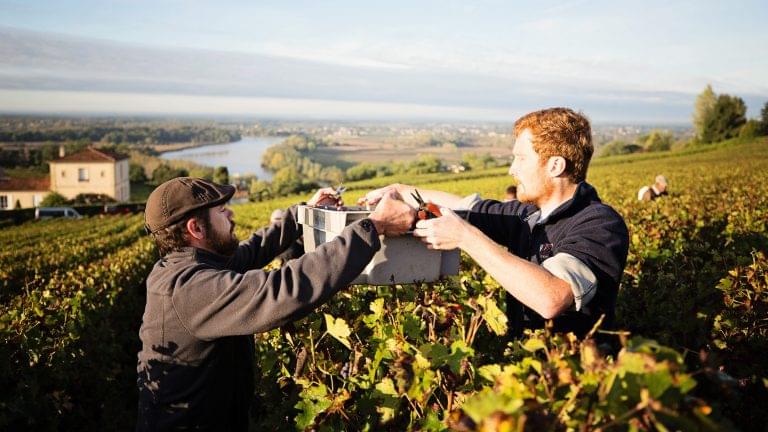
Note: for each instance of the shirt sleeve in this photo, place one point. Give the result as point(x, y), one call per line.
point(266, 244)
point(599, 240)
point(469, 201)
point(498, 220)
point(213, 303)
point(578, 275)
point(643, 194)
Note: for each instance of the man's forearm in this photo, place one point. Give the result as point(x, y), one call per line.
point(267, 243)
point(440, 198)
point(529, 283)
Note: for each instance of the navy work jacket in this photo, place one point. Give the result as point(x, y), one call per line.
point(583, 227)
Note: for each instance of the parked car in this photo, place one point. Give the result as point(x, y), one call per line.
point(123, 208)
point(56, 212)
point(113, 209)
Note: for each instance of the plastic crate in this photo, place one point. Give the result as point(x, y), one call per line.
point(403, 259)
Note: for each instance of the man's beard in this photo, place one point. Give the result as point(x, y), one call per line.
point(547, 187)
point(224, 244)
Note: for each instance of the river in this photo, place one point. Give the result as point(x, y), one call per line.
point(240, 157)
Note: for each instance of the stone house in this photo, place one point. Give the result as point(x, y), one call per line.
point(90, 171)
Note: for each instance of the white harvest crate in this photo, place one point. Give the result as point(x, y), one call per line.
point(403, 259)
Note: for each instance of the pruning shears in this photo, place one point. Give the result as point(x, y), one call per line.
point(338, 191)
point(427, 210)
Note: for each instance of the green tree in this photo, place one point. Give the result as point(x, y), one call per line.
point(615, 148)
point(657, 141)
point(750, 129)
point(136, 173)
point(478, 162)
point(361, 171)
point(425, 164)
point(53, 199)
point(764, 120)
point(702, 110)
point(202, 172)
point(332, 175)
point(92, 198)
point(258, 189)
point(221, 175)
point(165, 172)
point(725, 120)
point(287, 181)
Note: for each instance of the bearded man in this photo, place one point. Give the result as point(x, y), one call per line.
point(564, 250)
point(207, 296)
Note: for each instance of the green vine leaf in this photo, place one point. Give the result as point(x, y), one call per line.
point(339, 329)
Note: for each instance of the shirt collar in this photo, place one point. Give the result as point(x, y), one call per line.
point(585, 193)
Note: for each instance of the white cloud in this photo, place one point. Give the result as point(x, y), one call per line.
point(342, 54)
point(74, 102)
point(486, 81)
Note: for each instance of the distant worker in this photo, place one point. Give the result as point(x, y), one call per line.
point(207, 296)
point(511, 193)
point(276, 216)
point(658, 189)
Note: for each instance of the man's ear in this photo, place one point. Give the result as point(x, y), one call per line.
point(195, 229)
point(556, 166)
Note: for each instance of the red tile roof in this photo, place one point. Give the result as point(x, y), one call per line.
point(25, 184)
point(92, 155)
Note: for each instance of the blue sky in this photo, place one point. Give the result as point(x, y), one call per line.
point(487, 60)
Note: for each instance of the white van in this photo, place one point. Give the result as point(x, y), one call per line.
point(56, 212)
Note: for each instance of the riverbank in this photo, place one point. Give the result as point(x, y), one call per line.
point(241, 157)
point(165, 148)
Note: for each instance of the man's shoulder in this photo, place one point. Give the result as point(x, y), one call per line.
point(600, 208)
point(644, 193)
point(176, 269)
point(598, 212)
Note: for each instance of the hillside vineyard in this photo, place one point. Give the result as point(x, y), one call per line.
point(690, 354)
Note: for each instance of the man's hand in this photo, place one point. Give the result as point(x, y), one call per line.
point(325, 197)
point(392, 216)
point(373, 197)
point(444, 233)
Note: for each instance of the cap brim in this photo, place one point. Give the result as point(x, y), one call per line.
point(226, 192)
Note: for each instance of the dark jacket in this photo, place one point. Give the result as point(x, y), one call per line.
point(196, 363)
point(583, 227)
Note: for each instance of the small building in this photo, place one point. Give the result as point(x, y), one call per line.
point(22, 192)
point(91, 171)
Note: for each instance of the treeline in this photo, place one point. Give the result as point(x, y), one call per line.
point(716, 118)
point(37, 157)
point(424, 164)
point(720, 117)
point(296, 170)
point(656, 140)
point(127, 135)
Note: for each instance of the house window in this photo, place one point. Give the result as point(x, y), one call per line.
point(3, 201)
point(102, 173)
point(82, 174)
point(63, 173)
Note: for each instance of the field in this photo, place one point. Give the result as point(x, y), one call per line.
point(354, 150)
point(690, 355)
